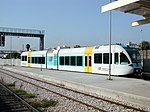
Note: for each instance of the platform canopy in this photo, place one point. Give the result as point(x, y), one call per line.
point(138, 7)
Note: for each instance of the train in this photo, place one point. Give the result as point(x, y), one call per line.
point(124, 59)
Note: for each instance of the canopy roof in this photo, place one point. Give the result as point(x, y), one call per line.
point(138, 7)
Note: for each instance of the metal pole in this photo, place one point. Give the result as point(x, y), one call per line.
point(142, 48)
point(41, 66)
point(41, 62)
point(110, 29)
point(10, 50)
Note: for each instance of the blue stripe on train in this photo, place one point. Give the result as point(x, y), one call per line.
point(52, 60)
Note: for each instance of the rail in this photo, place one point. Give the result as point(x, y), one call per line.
point(71, 98)
point(11, 102)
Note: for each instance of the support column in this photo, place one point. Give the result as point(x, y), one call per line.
point(42, 43)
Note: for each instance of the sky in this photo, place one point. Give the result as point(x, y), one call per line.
point(68, 22)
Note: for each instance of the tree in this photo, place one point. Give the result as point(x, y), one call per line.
point(145, 45)
point(13, 55)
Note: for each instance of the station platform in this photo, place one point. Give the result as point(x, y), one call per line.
point(132, 90)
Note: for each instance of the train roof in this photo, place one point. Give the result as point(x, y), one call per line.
point(78, 49)
point(34, 52)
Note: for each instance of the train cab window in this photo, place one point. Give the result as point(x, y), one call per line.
point(73, 60)
point(116, 58)
point(98, 58)
point(106, 58)
point(61, 60)
point(123, 59)
point(66, 60)
point(79, 60)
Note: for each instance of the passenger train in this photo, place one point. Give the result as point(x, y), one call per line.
point(124, 59)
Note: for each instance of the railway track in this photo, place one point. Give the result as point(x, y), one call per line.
point(99, 103)
point(11, 102)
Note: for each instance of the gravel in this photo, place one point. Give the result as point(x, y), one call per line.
point(66, 105)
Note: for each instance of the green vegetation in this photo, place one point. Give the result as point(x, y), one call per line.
point(37, 104)
point(145, 45)
point(45, 103)
point(29, 95)
point(24, 93)
point(11, 84)
point(14, 55)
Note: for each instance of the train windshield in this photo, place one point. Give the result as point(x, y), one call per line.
point(135, 55)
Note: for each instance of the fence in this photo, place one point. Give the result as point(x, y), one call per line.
point(15, 62)
point(146, 65)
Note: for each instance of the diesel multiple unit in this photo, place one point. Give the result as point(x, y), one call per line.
point(124, 59)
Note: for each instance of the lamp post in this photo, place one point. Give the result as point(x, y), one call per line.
point(110, 34)
point(41, 64)
point(10, 50)
point(41, 61)
point(142, 46)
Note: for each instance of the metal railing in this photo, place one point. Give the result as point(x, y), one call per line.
point(19, 30)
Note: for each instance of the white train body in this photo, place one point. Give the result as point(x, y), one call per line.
point(124, 59)
point(117, 67)
point(69, 63)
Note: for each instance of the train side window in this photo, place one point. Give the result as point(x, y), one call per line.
point(61, 61)
point(106, 58)
point(25, 58)
point(39, 60)
point(85, 60)
point(79, 60)
point(43, 60)
point(22, 58)
point(123, 59)
point(116, 58)
point(36, 59)
point(98, 58)
point(73, 59)
point(66, 60)
point(90, 64)
point(32, 60)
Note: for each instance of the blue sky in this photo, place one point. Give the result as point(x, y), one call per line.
point(69, 22)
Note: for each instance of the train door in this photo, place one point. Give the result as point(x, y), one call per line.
point(88, 59)
point(29, 55)
point(55, 61)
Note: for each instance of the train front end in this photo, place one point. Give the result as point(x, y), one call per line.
point(135, 59)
